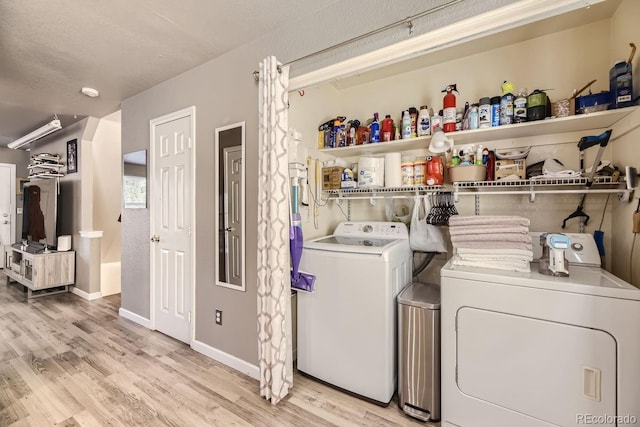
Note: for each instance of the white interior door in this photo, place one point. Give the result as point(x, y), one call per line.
point(233, 214)
point(171, 224)
point(7, 207)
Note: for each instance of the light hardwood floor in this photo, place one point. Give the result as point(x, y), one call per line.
point(67, 361)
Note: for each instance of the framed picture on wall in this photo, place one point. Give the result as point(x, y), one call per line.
point(72, 156)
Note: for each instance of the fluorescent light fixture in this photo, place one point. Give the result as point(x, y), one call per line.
point(45, 130)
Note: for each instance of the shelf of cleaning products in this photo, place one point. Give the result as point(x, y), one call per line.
point(532, 187)
point(577, 123)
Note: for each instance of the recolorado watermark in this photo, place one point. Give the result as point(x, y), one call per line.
point(606, 419)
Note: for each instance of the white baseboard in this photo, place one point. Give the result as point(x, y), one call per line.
point(233, 362)
point(86, 295)
point(136, 318)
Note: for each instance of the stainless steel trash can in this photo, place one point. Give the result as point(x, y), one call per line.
point(419, 351)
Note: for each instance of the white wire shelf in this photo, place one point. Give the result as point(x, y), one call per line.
point(603, 184)
point(384, 192)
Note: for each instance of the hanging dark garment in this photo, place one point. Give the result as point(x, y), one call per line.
point(25, 213)
point(36, 218)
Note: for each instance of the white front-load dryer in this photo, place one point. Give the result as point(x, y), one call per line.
point(347, 325)
point(528, 349)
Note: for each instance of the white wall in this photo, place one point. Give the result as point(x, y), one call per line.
point(107, 196)
point(625, 29)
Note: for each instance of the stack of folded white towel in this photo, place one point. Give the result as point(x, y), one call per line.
point(501, 242)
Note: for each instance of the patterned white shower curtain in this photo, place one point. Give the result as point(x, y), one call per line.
point(275, 356)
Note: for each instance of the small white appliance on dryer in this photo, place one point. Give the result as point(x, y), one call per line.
point(529, 349)
point(346, 326)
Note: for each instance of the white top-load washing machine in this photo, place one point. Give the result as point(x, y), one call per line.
point(528, 349)
point(346, 326)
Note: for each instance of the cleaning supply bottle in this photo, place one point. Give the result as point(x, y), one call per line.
point(351, 136)
point(413, 115)
point(337, 142)
point(495, 111)
point(424, 121)
point(406, 125)
point(375, 129)
point(506, 103)
point(449, 109)
point(484, 112)
point(474, 117)
point(520, 106)
point(387, 128)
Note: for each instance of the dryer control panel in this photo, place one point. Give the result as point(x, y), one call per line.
point(582, 251)
point(372, 229)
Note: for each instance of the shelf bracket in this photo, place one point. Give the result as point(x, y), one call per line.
point(477, 197)
point(372, 199)
point(532, 194)
point(455, 194)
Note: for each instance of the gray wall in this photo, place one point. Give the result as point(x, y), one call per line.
point(225, 92)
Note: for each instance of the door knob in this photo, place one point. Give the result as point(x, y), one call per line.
point(155, 238)
point(229, 229)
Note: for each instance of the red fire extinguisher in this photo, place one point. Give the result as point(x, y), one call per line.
point(449, 109)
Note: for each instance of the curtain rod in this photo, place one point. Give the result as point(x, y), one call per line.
point(408, 21)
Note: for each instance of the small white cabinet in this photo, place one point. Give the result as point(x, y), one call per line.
point(38, 270)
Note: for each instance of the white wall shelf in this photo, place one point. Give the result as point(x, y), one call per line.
point(577, 123)
point(45, 166)
point(601, 184)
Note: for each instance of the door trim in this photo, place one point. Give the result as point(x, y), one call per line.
point(216, 198)
point(153, 123)
point(13, 216)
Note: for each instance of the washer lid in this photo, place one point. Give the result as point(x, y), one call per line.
point(364, 245)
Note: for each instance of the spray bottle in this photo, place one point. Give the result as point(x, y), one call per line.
point(375, 129)
point(449, 109)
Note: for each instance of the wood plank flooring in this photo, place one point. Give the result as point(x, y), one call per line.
point(65, 361)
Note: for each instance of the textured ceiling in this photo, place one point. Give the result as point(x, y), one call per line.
point(50, 50)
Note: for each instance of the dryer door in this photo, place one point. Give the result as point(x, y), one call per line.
point(553, 372)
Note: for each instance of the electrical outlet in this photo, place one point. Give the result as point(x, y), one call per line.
point(218, 317)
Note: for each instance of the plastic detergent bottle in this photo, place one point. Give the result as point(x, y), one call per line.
point(424, 121)
point(406, 125)
point(375, 129)
point(387, 128)
point(506, 104)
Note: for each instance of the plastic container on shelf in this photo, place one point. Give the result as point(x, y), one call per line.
point(420, 171)
point(467, 173)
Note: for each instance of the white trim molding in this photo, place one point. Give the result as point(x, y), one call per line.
point(136, 318)
point(86, 295)
point(227, 359)
point(93, 234)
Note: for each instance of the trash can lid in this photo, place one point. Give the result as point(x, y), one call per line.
point(422, 295)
